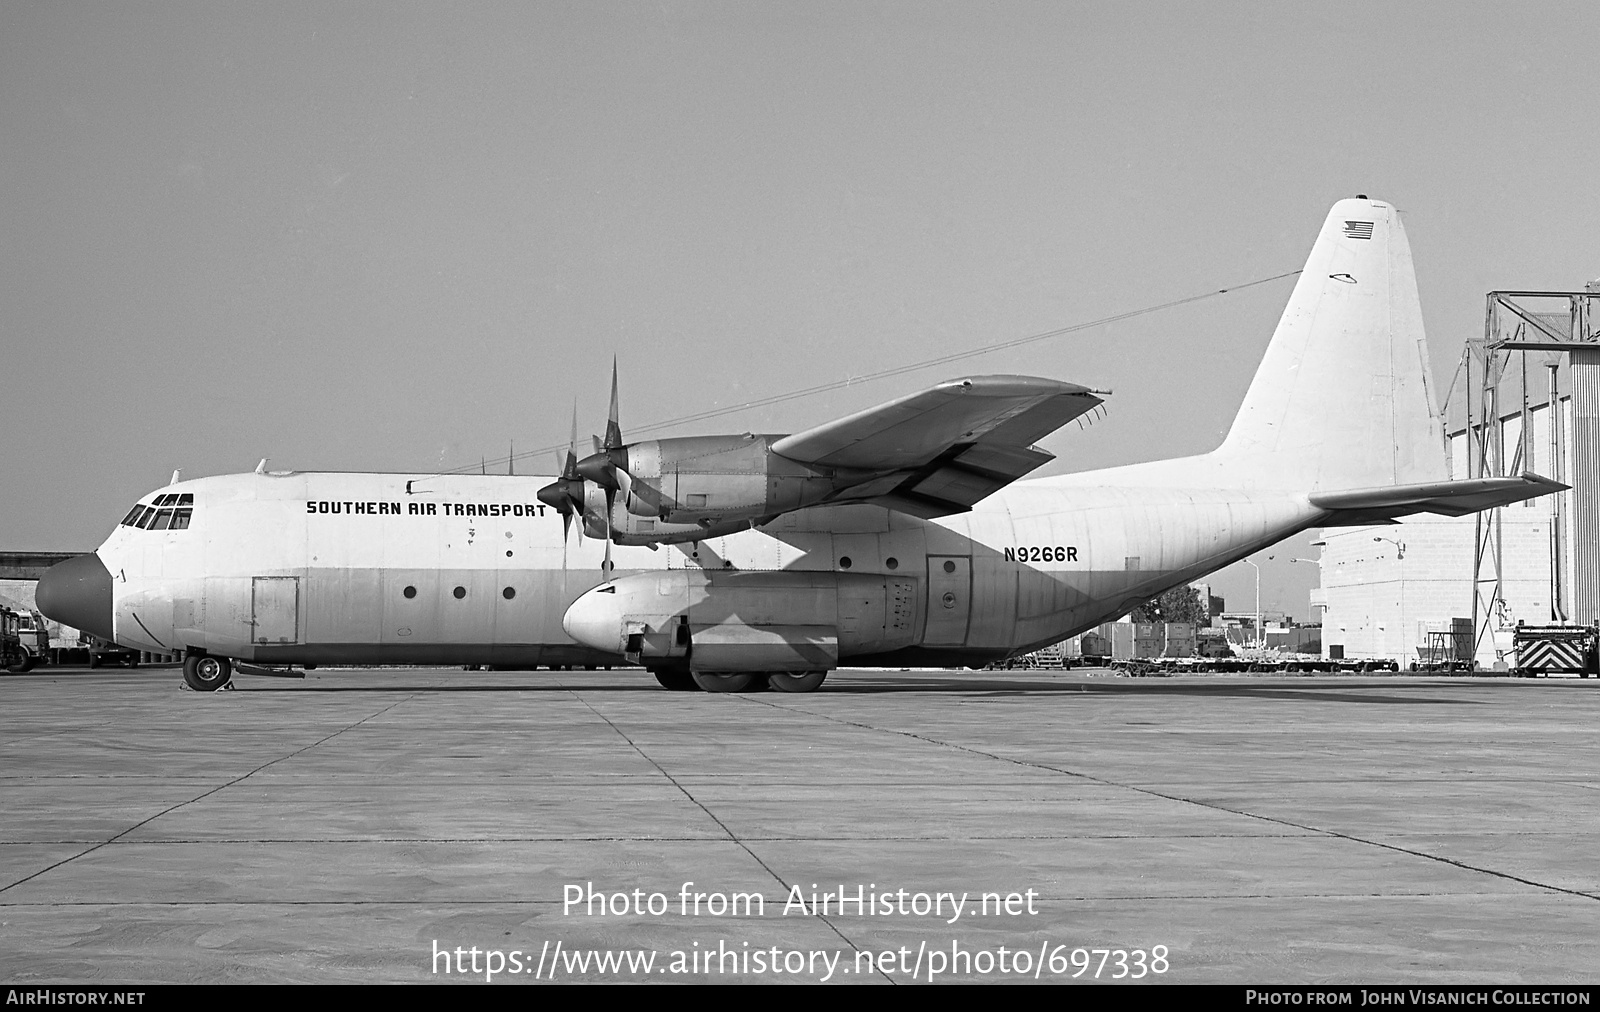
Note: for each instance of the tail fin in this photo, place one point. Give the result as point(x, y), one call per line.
point(1343, 398)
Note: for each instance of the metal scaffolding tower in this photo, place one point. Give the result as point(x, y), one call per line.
point(1549, 324)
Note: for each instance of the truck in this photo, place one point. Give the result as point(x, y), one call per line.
point(21, 632)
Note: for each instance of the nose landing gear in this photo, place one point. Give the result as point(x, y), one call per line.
point(204, 673)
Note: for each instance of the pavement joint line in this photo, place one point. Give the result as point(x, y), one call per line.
point(346, 841)
point(8, 742)
point(722, 825)
point(201, 797)
point(707, 779)
point(1182, 800)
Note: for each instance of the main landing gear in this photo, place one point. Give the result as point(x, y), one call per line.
point(678, 680)
point(204, 673)
point(796, 681)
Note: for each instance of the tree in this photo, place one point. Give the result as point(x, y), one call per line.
point(1180, 604)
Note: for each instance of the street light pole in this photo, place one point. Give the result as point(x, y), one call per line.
point(1400, 580)
point(1252, 565)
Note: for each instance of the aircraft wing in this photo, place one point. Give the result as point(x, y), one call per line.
point(1451, 498)
point(939, 451)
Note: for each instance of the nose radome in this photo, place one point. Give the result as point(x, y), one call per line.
point(77, 593)
point(595, 620)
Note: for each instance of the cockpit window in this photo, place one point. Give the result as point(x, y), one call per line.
point(154, 518)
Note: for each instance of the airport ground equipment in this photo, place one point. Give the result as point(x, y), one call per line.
point(12, 654)
point(1447, 649)
point(1555, 650)
point(20, 643)
point(103, 652)
point(1050, 658)
point(1262, 664)
point(1094, 649)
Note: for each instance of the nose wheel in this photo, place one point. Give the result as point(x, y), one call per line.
point(206, 674)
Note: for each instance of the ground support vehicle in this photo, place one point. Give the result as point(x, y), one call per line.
point(103, 652)
point(1543, 650)
point(14, 656)
point(28, 642)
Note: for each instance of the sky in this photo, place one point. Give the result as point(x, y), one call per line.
point(406, 236)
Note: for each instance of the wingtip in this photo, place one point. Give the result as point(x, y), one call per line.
point(1550, 485)
point(1007, 385)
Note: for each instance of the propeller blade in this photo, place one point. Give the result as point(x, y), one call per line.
point(613, 428)
point(570, 469)
point(606, 566)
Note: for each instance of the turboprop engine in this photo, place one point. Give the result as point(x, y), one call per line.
point(712, 479)
point(665, 491)
point(746, 621)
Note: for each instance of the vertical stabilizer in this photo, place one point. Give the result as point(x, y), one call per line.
point(1343, 398)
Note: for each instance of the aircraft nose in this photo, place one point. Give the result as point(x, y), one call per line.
point(77, 593)
point(595, 620)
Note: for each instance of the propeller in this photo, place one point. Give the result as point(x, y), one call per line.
point(565, 494)
point(607, 466)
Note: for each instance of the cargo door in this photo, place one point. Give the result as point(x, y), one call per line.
point(275, 609)
point(949, 600)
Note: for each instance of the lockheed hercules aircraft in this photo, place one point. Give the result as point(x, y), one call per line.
point(896, 536)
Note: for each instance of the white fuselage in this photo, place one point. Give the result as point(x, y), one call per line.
point(390, 568)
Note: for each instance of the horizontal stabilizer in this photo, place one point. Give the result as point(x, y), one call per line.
point(1450, 498)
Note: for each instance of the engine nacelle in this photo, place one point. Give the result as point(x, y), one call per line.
point(631, 526)
point(739, 621)
point(717, 479)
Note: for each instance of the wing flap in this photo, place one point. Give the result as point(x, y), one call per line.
point(963, 476)
point(1009, 462)
point(1450, 498)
